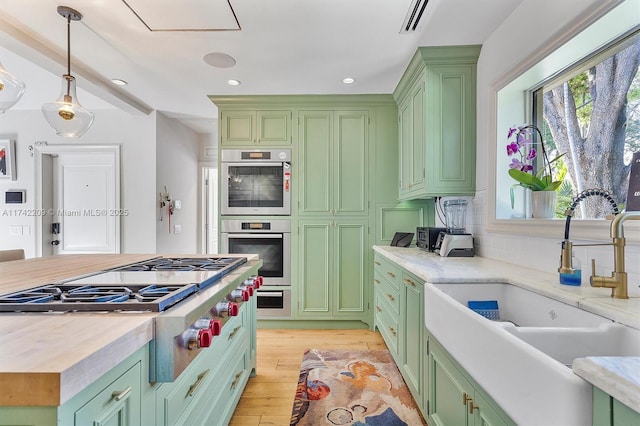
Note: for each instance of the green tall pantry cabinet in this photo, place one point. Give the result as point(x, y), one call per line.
point(344, 171)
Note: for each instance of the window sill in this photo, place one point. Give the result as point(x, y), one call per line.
point(591, 230)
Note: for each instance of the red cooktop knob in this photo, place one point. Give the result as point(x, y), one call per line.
point(204, 337)
point(216, 327)
point(245, 295)
point(249, 288)
point(233, 309)
point(260, 280)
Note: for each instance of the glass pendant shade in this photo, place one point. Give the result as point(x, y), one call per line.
point(67, 117)
point(11, 89)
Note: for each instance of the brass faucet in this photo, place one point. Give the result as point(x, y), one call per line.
point(617, 282)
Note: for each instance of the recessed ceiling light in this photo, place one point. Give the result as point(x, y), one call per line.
point(219, 60)
point(348, 80)
point(233, 82)
point(119, 82)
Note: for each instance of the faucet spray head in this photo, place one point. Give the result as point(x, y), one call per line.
point(566, 264)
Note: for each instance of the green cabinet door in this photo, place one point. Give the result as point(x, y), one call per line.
point(450, 133)
point(448, 391)
point(454, 399)
point(608, 411)
point(412, 313)
point(332, 271)
point(333, 162)
point(255, 127)
point(411, 128)
point(117, 404)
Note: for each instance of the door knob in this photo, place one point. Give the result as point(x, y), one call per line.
point(55, 242)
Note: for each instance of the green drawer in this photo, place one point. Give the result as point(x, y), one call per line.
point(387, 322)
point(390, 293)
point(387, 269)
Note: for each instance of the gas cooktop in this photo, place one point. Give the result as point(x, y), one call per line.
point(138, 287)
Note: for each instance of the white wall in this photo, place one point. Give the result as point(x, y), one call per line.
point(137, 137)
point(177, 155)
point(534, 25)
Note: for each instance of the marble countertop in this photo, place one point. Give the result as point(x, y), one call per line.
point(617, 376)
point(437, 269)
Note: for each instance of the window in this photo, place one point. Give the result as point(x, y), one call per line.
point(519, 98)
point(590, 113)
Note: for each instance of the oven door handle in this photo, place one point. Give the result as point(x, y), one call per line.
point(254, 235)
point(270, 293)
point(253, 163)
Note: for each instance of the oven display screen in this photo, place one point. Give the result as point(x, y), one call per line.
point(256, 225)
point(256, 155)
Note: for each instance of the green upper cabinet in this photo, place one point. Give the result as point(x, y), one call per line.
point(436, 100)
point(255, 127)
point(334, 162)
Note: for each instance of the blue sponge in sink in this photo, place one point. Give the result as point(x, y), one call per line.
point(486, 308)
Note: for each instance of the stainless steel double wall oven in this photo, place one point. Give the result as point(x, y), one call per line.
point(257, 185)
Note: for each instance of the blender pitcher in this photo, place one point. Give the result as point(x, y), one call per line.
point(455, 213)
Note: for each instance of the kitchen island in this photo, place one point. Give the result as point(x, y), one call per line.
point(54, 366)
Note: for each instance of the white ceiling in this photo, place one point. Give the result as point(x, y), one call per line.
point(282, 47)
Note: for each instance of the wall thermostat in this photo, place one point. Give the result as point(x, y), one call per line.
point(15, 196)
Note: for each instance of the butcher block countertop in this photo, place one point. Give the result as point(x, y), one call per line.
point(47, 358)
point(19, 275)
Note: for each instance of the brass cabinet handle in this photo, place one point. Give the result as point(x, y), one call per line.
point(118, 395)
point(235, 381)
point(378, 308)
point(233, 333)
point(472, 407)
point(410, 282)
point(194, 387)
point(377, 281)
point(393, 331)
point(391, 297)
point(391, 274)
point(465, 398)
point(377, 263)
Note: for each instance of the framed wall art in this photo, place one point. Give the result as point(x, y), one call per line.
point(7, 159)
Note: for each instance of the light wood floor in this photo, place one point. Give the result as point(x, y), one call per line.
point(268, 397)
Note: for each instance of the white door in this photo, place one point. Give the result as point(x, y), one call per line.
point(85, 203)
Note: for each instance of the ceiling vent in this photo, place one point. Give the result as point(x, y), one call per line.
point(414, 14)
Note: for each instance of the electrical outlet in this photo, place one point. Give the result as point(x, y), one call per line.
point(177, 229)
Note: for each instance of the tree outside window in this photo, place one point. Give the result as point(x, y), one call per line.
point(594, 117)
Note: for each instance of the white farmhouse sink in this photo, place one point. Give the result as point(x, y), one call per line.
point(525, 367)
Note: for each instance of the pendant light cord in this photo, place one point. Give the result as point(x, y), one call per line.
point(68, 53)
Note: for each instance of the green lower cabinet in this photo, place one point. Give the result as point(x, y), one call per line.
point(333, 259)
point(608, 411)
point(114, 399)
point(454, 399)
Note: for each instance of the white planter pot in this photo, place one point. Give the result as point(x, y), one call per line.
point(543, 204)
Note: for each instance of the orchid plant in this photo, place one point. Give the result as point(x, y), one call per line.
point(521, 147)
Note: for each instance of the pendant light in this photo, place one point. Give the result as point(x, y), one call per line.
point(66, 115)
point(11, 89)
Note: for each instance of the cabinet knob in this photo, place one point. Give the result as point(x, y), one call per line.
point(391, 274)
point(472, 407)
point(391, 297)
point(410, 282)
point(392, 330)
point(378, 308)
point(377, 281)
